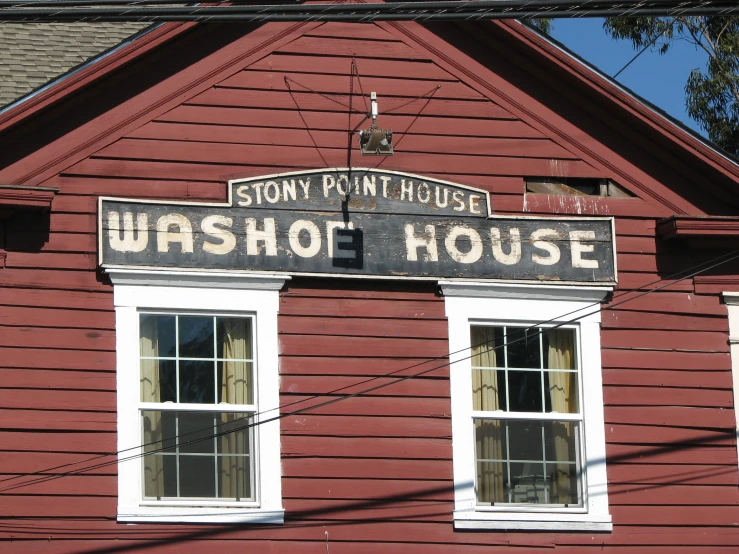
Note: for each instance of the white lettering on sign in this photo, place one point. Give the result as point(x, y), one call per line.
point(547, 246)
point(385, 181)
point(472, 236)
point(305, 185)
point(418, 242)
point(271, 192)
point(293, 235)
point(426, 240)
point(183, 235)
point(578, 249)
point(343, 186)
point(457, 197)
point(406, 190)
point(328, 183)
point(258, 189)
point(128, 243)
point(243, 192)
point(514, 256)
point(424, 193)
point(212, 226)
point(369, 186)
point(331, 227)
point(438, 197)
point(288, 190)
point(254, 236)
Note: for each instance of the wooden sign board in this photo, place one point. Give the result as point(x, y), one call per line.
point(358, 223)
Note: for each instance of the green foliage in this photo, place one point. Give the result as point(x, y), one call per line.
point(542, 23)
point(711, 96)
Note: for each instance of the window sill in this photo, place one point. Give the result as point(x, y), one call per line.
point(531, 521)
point(149, 514)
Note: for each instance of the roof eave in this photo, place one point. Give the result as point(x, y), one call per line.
point(61, 88)
point(639, 107)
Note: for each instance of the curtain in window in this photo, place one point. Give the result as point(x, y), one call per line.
point(150, 392)
point(236, 388)
point(489, 436)
point(563, 394)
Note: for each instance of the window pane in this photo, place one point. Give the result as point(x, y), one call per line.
point(488, 390)
point(525, 440)
point(196, 337)
point(197, 382)
point(198, 476)
point(491, 482)
point(235, 382)
point(561, 440)
point(235, 447)
point(234, 474)
point(524, 391)
point(527, 461)
point(559, 349)
point(234, 338)
point(157, 335)
point(206, 455)
point(487, 346)
point(562, 392)
point(159, 430)
point(564, 484)
point(195, 432)
point(523, 347)
point(528, 484)
point(158, 380)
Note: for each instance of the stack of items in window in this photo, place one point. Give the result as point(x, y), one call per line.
point(527, 416)
point(197, 403)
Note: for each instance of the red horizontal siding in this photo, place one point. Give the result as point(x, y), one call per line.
point(374, 471)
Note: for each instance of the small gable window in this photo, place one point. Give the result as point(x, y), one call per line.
point(575, 186)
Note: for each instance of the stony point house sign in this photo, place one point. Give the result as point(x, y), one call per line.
point(356, 223)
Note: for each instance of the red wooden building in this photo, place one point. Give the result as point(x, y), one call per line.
point(455, 349)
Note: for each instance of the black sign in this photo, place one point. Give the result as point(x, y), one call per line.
point(361, 222)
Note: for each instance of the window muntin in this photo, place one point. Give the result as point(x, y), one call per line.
point(196, 393)
point(526, 416)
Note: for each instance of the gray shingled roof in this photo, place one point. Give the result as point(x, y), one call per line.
point(32, 54)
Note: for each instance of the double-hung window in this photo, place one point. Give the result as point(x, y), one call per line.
point(527, 407)
point(197, 406)
point(197, 395)
point(527, 421)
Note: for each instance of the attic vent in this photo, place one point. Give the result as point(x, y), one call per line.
point(575, 186)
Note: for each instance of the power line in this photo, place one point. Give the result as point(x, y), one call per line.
point(711, 264)
point(442, 10)
point(632, 60)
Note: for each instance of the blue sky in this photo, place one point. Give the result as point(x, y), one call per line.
point(659, 79)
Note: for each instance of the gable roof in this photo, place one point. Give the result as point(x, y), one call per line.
point(38, 53)
point(526, 49)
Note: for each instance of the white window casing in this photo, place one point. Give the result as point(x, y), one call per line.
point(732, 303)
point(500, 304)
point(203, 292)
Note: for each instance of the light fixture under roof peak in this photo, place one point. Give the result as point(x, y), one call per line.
point(375, 141)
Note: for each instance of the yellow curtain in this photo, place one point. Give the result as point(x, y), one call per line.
point(488, 436)
point(563, 395)
point(152, 420)
point(236, 388)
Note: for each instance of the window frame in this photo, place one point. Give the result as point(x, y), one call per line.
point(207, 293)
point(469, 304)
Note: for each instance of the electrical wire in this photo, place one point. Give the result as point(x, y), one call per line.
point(711, 264)
point(444, 10)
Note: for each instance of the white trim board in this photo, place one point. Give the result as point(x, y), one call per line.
point(135, 291)
point(474, 304)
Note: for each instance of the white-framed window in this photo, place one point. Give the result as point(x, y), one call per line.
point(197, 381)
point(527, 407)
